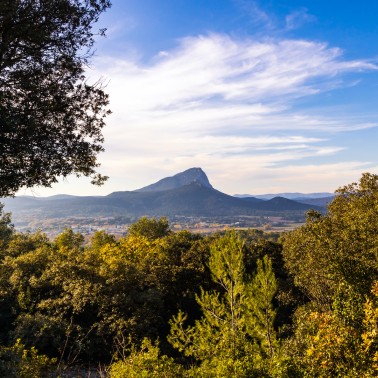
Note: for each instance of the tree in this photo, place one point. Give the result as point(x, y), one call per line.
point(100, 239)
point(235, 337)
point(69, 240)
point(50, 116)
point(333, 259)
point(151, 228)
point(262, 290)
point(6, 228)
point(339, 248)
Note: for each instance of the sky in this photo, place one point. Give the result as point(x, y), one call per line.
point(265, 96)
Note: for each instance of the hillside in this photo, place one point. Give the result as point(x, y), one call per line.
point(186, 194)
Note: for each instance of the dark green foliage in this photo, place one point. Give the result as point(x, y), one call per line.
point(50, 117)
point(71, 301)
point(242, 304)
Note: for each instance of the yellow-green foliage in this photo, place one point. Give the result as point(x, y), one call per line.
point(341, 246)
point(334, 348)
point(145, 363)
point(333, 258)
point(16, 361)
point(369, 346)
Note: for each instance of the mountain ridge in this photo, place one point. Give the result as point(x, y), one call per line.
point(296, 196)
point(188, 193)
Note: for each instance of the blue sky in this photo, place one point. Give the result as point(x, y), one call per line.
point(264, 96)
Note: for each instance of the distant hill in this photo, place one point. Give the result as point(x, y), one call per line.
point(293, 196)
point(59, 196)
point(278, 204)
point(188, 193)
point(323, 202)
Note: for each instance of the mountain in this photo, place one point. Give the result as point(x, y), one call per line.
point(293, 196)
point(58, 197)
point(323, 201)
point(284, 204)
point(181, 179)
point(186, 194)
point(193, 199)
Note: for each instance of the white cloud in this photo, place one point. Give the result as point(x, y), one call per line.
point(227, 105)
point(218, 69)
point(214, 96)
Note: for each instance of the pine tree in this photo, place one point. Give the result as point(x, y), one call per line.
point(235, 337)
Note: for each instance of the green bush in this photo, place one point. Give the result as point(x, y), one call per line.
point(18, 362)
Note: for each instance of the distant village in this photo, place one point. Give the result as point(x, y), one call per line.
point(118, 226)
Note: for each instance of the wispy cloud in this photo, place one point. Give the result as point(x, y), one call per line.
point(298, 18)
point(257, 15)
point(216, 101)
point(217, 68)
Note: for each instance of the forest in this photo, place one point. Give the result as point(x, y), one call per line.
point(158, 303)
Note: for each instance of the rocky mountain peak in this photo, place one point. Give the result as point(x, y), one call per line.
point(187, 177)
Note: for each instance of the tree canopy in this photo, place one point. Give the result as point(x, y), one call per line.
point(50, 117)
point(339, 248)
point(333, 259)
point(160, 303)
